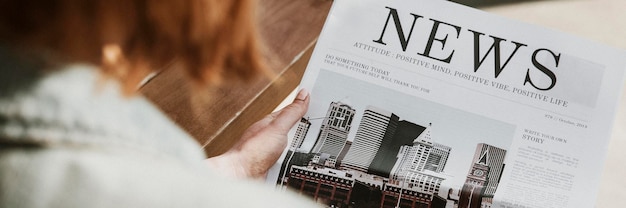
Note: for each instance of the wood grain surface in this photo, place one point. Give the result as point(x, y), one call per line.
point(217, 116)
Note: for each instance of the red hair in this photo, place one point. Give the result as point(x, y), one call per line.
point(206, 37)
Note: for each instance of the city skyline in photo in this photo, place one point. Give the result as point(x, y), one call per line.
point(384, 141)
point(462, 130)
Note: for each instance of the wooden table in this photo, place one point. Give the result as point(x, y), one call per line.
point(289, 29)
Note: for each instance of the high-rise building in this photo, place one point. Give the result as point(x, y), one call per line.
point(301, 131)
point(495, 161)
point(412, 158)
point(483, 177)
point(474, 188)
point(385, 158)
point(376, 126)
point(334, 130)
point(437, 158)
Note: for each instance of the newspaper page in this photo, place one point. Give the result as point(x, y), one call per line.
point(422, 103)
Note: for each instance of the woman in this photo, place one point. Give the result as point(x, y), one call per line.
point(73, 133)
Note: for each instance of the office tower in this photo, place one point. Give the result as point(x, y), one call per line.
point(437, 158)
point(412, 158)
point(495, 161)
point(334, 130)
point(301, 131)
point(385, 158)
point(376, 125)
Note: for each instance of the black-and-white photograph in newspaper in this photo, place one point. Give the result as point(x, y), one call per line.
point(363, 145)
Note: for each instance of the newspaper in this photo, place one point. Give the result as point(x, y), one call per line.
point(422, 103)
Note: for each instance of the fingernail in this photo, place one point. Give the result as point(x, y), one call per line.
point(302, 95)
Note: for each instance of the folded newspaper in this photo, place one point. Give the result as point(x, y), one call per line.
point(422, 103)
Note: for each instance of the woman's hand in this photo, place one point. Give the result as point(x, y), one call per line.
point(262, 143)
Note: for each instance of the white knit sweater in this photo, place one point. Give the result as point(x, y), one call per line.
point(69, 139)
